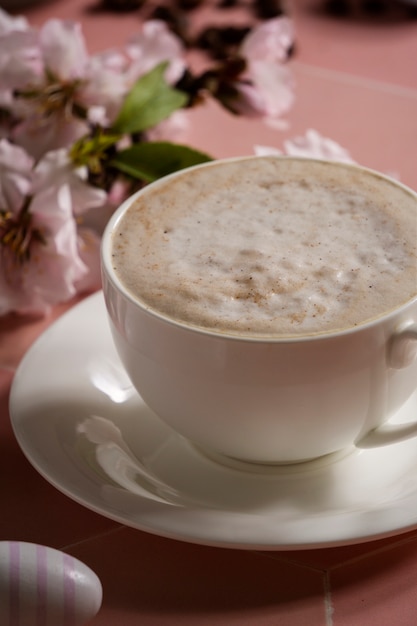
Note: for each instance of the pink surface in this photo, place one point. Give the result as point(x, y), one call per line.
point(356, 83)
point(380, 47)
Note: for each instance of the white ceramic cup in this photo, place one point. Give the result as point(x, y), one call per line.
point(266, 400)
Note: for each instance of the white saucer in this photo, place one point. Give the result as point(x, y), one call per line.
point(85, 429)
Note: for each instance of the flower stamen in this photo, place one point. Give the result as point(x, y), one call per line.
point(56, 97)
point(17, 233)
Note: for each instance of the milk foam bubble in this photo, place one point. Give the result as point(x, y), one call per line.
point(270, 246)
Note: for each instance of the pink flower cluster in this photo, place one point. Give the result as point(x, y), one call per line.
point(47, 251)
point(52, 92)
point(59, 250)
point(47, 78)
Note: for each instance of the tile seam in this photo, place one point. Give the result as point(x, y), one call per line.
point(356, 80)
point(290, 561)
point(91, 538)
point(372, 553)
point(328, 604)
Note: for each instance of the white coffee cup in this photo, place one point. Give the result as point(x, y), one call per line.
point(266, 399)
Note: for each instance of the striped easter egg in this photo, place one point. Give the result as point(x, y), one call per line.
point(41, 586)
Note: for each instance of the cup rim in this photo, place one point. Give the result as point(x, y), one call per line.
point(107, 267)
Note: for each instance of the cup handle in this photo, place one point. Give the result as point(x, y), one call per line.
point(402, 350)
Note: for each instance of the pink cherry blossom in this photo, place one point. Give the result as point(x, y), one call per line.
point(49, 273)
point(270, 41)
point(97, 80)
point(49, 276)
point(153, 45)
point(51, 75)
point(54, 75)
point(267, 88)
point(42, 254)
point(44, 71)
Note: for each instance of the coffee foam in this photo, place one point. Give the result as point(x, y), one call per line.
point(270, 246)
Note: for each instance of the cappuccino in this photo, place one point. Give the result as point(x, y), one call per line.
point(270, 246)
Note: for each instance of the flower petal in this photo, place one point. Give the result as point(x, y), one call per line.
point(89, 251)
point(64, 49)
point(51, 273)
point(275, 85)
point(8, 23)
point(313, 145)
point(21, 62)
point(152, 46)
point(270, 41)
point(15, 175)
point(39, 135)
point(55, 172)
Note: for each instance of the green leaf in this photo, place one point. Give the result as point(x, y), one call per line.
point(150, 101)
point(152, 160)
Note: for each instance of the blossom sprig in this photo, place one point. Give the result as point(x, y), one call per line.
point(78, 133)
